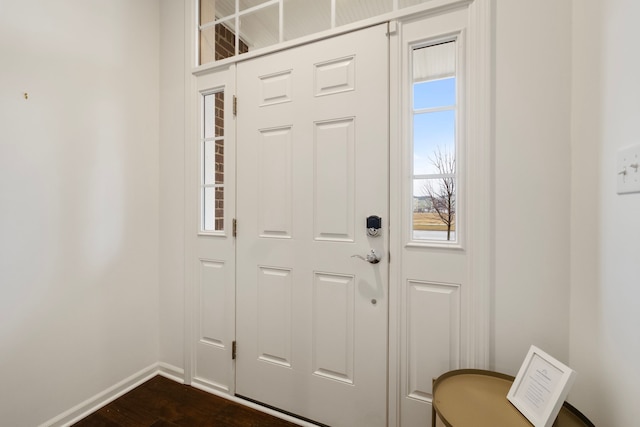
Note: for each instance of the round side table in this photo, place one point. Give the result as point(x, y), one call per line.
point(478, 398)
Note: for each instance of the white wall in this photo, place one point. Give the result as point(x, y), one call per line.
point(532, 175)
point(78, 200)
point(605, 285)
point(172, 203)
point(567, 260)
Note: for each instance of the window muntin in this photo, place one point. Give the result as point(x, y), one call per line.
point(434, 112)
point(212, 162)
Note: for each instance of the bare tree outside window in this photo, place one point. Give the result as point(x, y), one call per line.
point(441, 192)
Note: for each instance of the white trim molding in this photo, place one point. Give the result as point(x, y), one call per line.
point(190, 180)
point(480, 163)
point(107, 396)
point(166, 370)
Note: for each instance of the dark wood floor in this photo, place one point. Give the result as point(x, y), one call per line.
point(161, 402)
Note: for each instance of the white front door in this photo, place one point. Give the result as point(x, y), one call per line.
point(312, 144)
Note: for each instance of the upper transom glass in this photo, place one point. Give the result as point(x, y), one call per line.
point(264, 23)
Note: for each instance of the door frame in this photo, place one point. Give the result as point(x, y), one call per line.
point(480, 190)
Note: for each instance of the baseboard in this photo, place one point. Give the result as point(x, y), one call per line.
point(171, 372)
point(96, 402)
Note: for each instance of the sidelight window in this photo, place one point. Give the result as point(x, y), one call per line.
point(434, 115)
point(212, 162)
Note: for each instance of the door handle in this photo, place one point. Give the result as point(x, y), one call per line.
point(372, 257)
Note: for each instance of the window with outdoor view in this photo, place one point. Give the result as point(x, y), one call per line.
point(434, 116)
point(212, 162)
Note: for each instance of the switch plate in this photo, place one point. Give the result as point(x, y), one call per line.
point(628, 168)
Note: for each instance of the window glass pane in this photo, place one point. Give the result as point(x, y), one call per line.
point(225, 46)
point(207, 11)
point(305, 17)
point(208, 206)
point(434, 209)
point(219, 161)
point(219, 114)
point(213, 209)
point(225, 8)
point(246, 4)
point(218, 42)
point(434, 62)
point(208, 114)
point(219, 209)
point(434, 93)
point(207, 45)
point(433, 142)
point(209, 163)
point(213, 162)
point(348, 11)
point(210, 10)
point(261, 28)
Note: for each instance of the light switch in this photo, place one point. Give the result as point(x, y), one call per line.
point(628, 163)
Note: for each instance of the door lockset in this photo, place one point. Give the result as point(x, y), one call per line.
point(372, 257)
point(374, 226)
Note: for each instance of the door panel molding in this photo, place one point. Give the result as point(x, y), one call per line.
point(334, 201)
point(431, 304)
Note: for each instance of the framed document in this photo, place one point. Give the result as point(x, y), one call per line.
point(540, 387)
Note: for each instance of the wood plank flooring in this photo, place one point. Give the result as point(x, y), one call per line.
point(161, 402)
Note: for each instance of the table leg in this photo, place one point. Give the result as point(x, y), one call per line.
point(433, 406)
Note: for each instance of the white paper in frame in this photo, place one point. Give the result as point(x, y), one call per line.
point(540, 388)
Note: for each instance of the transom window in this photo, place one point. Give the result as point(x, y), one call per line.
point(233, 27)
point(434, 115)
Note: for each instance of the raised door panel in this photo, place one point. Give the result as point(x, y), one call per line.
point(274, 183)
point(333, 327)
point(212, 319)
point(334, 179)
point(275, 88)
point(274, 315)
point(335, 76)
point(433, 329)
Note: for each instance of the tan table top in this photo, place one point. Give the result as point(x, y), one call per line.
point(477, 398)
